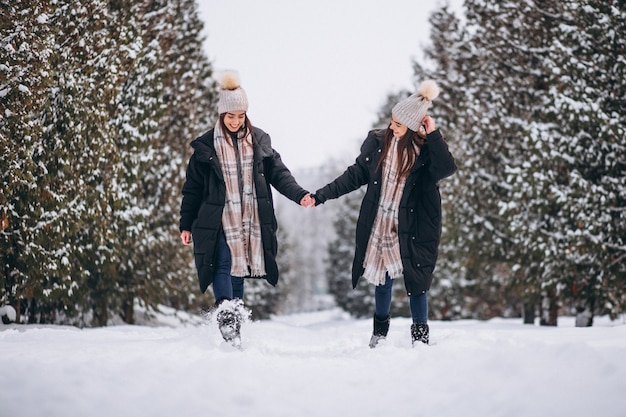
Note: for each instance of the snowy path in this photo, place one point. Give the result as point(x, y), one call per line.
point(315, 365)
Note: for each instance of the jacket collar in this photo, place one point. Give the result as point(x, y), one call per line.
point(203, 147)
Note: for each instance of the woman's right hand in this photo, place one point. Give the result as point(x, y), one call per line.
point(307, 201)
point(429, 124)
point(185, 236)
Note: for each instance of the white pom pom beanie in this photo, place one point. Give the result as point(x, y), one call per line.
point(412, 109)
point(232, 97)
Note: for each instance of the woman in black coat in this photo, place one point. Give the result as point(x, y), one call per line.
point(227, 205)
point(399, 224)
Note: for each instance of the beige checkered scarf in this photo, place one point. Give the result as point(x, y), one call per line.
point(383, 249)
point(240, 219)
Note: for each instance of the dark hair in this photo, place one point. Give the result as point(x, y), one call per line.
point(247, 125)
point(407, 155)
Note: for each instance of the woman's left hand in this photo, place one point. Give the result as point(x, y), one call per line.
point(429, 124)
point(185, 236)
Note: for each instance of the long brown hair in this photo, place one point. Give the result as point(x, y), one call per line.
point(407, 155)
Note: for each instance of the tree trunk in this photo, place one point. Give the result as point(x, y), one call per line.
point(584, 312)
point(128, 312)
point(549, 308)
point(529, 313)
point(100, 313)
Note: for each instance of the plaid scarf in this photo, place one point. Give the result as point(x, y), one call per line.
point(383, 249)
point(240, 219)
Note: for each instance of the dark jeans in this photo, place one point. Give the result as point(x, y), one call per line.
point(382, 297)
point(225, 287)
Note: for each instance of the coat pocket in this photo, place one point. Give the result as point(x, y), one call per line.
point(424, 254)
point(204, 240)
point(204, 244)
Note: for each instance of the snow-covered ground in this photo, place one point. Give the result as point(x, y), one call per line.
point(315, 364)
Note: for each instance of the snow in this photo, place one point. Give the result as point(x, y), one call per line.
point(314, 364)
point(8, 313)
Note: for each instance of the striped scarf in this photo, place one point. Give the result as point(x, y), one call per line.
point(240, 219)
point(383, 249)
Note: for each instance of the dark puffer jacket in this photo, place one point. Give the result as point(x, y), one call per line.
point(419, 216)
point(204, 196)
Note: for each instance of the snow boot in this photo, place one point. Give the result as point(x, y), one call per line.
point(419, 333)
point(229, 320)
point(381, 327)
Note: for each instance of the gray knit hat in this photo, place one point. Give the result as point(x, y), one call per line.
point(412, 109)
point(232, 97)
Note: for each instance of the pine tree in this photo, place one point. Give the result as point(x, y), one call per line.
point(561, 211)
point(470, 270)
point(579, 147)
point(359, 301)
point(26, 44)
point(71, 142)
point(96, 148)
point(538, 160)
point(175, 101)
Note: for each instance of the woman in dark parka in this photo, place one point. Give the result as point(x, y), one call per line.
point(227, 205)
point(399, 224)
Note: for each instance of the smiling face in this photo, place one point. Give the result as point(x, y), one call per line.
point(398, 129)
point(234, 120)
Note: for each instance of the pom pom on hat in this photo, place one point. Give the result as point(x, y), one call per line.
point(411, 110)
point(429, 90)
point(229, 80)
point(232, 97)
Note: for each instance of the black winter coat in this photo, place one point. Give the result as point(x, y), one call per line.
point(419, 216)
point(204, 197)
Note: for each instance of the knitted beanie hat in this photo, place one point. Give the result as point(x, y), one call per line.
point(412, 109)
point(231, 96)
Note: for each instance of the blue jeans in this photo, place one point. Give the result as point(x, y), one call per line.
point(382, 298)
point(225, 286)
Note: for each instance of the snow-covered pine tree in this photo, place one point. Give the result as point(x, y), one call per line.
point(72, 150)
point(167, 100)
point(26, 203)
point(465, 264)
point(505, 85)
point(97, 49)
point(189, 99)
point(96, 139)
point(523, 196)
point(262, 299)
point(577, 141)
point(359, 301)
point(563, 206)
point(470, 274)
point(188, 102)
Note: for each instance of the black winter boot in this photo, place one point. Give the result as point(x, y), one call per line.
point(419, 333)
point(381, 328)
point(229, 320)
point(229, 323)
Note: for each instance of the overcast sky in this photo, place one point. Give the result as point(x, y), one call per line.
point(316, 72)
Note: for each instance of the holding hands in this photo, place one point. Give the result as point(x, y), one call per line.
point(307, 201)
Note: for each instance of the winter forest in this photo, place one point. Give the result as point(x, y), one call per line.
point(100, 99)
